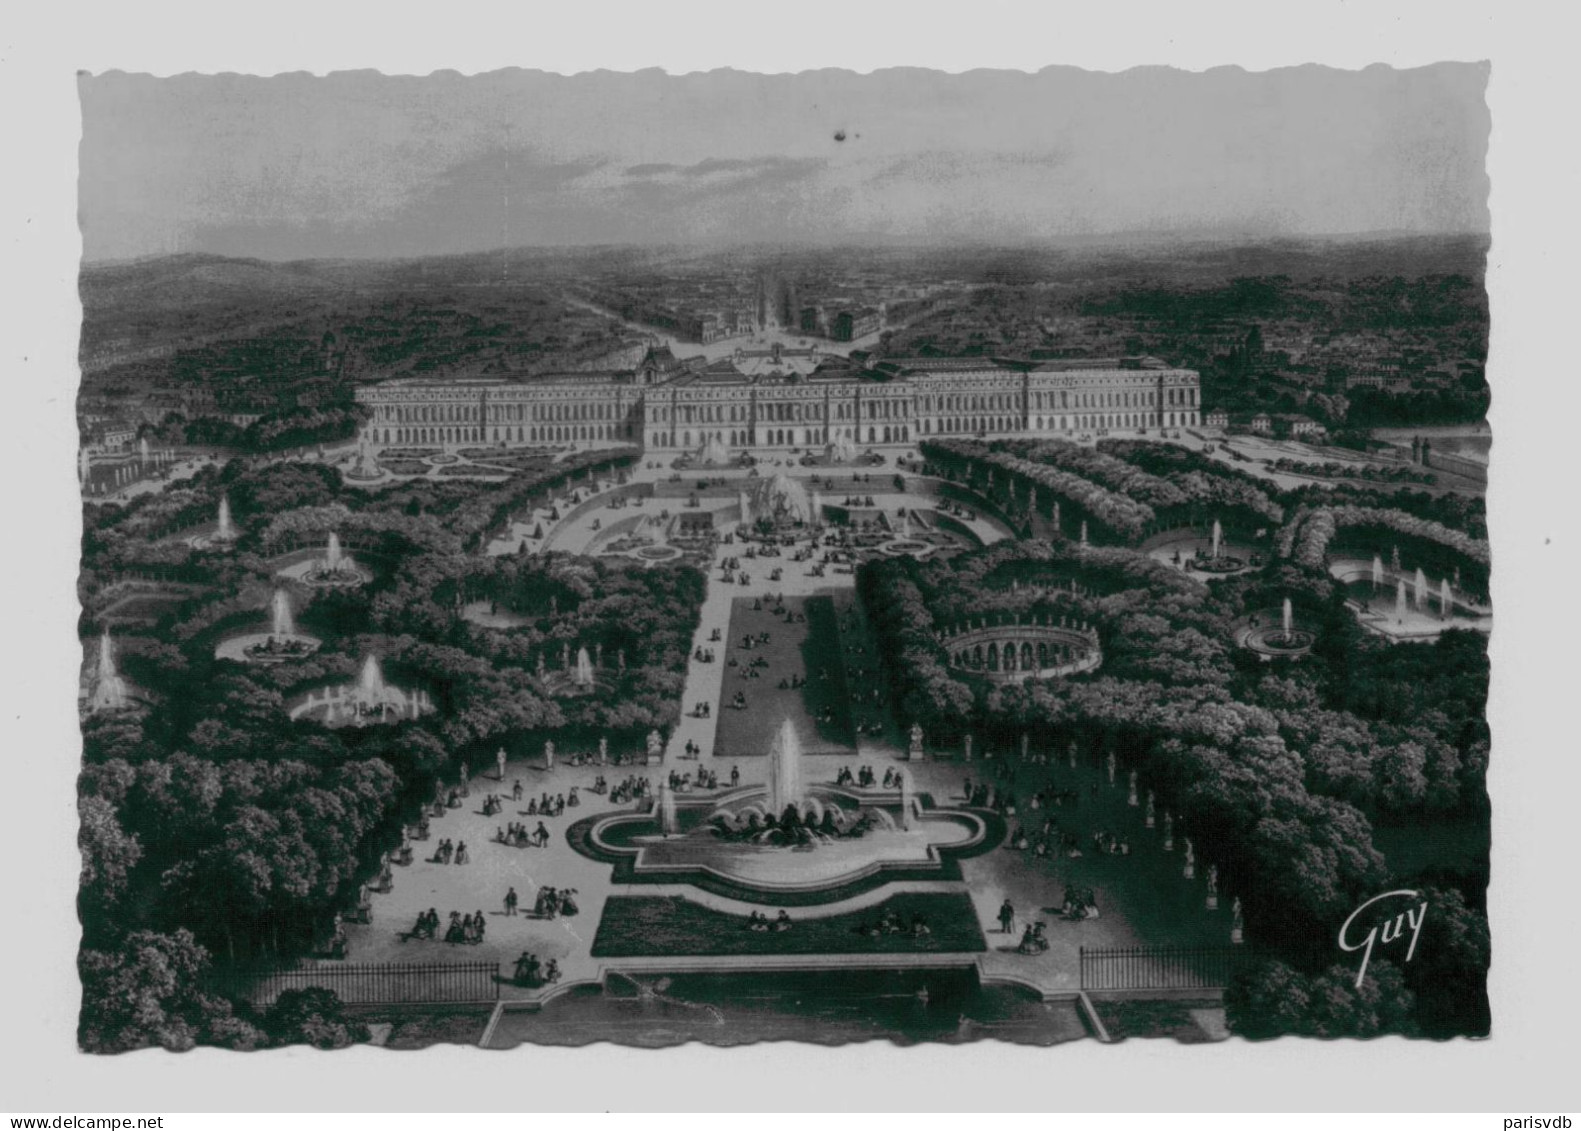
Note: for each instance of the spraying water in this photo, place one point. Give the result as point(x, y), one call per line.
point(669, 823)
point(1377, 573)
point(109, 693)
point(332, 555)
point(1446, 599)
point(785, 769)
point(1287, 621)
point(1218, 539)
point(284, 624)
point(225, 532)
point(371, 684)
point(584, 669)
point(1421, 589)
point(1399, 599)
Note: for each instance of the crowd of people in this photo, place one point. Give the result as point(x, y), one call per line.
point(515, 835)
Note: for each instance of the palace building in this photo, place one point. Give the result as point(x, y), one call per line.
point(668, 405)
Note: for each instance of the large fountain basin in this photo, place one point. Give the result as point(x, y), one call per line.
point(696, 851)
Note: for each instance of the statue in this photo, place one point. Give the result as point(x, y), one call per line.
point(1190, 869)
point(1025, 745)
point(465, 775)
point(1072, 755)
point(598, 656)
point(499, 760)
point(1169, 832)
point(1131, 797)
point(620, 659)
point(1149, 809)
point(655, 747)
point(1109, 765)
point(968, 748)
point(1235, 921)
point(603, 751)
point(540, 665)
point(565, 654)
point(548, 755)
point(1213, 887)
point(915, 749)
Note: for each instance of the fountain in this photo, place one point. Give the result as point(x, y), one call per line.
point(225, 533)
point(1399, 600)
point(786, 834)
point(1420, 589)
point(1286, 641)
point(1446, 600)
point(282, 642)
point(335, 570)
point(1084, 533)
point(584, 670)
point(109, 689)
point(1218, 560)
point(368, 701)
point(142, 449)
point(1377, 573)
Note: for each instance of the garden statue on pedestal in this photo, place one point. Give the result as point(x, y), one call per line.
point(1235, 921)
point(548, 755)
point(968, 748)
point(1149, 809)
point(465, 774)
point(1109, 766)
point(603, 752)
point(915, 749)
point(540, 665)
point(499, 762)
point(1131, 797)
point(1169, 832)
point(1190, 869)
point(1213, 887)
point(655, 748)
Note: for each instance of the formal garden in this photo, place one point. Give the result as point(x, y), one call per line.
point(218, 832)
point(1278, 770)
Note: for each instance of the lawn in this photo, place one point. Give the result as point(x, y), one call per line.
point(644, 926)
point(809, 649)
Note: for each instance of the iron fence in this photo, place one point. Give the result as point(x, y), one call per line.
point(367, 983)
point(1158, 967)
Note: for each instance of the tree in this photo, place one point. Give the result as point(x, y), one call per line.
point(312, 1016)
point(148, 992)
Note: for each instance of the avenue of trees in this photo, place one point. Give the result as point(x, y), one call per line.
point(1279, 772)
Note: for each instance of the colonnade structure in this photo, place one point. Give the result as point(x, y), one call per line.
point(682, 407)
point(1025, 647)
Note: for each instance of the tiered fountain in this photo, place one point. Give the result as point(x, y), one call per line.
point(367, 702)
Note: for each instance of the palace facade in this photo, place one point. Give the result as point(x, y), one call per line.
point(666, 405)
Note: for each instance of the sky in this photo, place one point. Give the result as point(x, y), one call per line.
point(362, 165)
